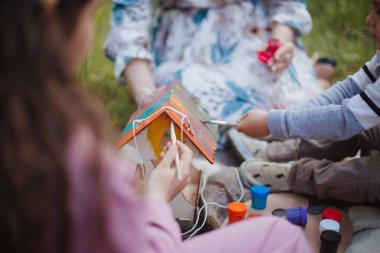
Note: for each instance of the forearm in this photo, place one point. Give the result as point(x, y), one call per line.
point(163, 232)
point(139, 77)
point(335, 94)
point(333, 122)
point(282, 32)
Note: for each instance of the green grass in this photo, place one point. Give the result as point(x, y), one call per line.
point(96, 73)
point(339, 32)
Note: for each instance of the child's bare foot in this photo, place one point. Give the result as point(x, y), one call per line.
point(325, 70)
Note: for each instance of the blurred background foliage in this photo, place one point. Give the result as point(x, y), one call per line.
point(339, 32)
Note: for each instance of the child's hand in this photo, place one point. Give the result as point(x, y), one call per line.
point(282, 57)
point(254, 123)
point(163, 183)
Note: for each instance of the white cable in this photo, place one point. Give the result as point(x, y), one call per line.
point(183, 117)
point(210, 203)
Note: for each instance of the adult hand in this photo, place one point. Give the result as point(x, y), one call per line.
point(163, 182)
point(282, 57)
point(254, 123)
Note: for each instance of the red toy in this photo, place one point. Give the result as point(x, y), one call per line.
point(266, 55)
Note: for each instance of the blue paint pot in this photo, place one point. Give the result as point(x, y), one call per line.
point(259, 196)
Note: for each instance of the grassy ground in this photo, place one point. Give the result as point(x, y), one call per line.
point(96, 73)
point(339, 32)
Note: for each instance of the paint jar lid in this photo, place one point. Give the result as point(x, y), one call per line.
point(254, 215)
point(297, 215)
point(330, 237)
point(328, 224)
point(237, 209)
point(332, 214)
point(259, 191)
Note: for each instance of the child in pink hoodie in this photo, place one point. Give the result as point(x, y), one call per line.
point(62, 188)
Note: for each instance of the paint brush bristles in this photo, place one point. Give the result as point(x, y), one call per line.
point(174, 139)
point(218, 122)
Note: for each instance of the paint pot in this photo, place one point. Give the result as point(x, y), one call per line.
point(297, 216)
point(236, 212)
point(254, 215)
point(332, 214)
point(328, 224)
point(259, 195)
point(329, 241)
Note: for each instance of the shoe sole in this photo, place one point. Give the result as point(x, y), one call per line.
point(239, 147)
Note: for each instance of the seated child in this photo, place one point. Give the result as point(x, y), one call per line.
point(348, 112)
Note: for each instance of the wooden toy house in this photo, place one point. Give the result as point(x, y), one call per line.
point(148, 131)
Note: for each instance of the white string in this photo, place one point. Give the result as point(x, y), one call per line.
point(183, 118)
point(165, 108)
point(210, 203)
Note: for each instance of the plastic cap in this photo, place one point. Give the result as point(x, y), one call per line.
point(328, 224)
point(297, 215)
point(259, 191)
point(332, 214)
point(237, 209)
point(330, 237)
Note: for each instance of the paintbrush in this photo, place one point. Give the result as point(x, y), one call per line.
point(219, 122)
point(174, 139)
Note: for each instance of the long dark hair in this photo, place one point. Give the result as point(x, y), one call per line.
point(40, 108)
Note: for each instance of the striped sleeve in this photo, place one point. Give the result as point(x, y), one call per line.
point(339, 113)
point(366, 106)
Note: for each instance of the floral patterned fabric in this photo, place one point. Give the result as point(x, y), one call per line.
point(211, 47)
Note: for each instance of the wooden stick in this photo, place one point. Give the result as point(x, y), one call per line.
point(174, 139)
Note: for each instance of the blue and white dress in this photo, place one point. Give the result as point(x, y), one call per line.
point(211, 47)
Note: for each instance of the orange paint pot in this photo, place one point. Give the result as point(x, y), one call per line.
point(236, 212)
point(254, 215)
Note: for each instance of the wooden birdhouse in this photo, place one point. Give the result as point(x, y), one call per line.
point(148, 131)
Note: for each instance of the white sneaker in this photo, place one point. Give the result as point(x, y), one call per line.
point(273, 175)
point(248, 148)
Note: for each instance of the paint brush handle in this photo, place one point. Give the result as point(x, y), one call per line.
point(219, 122)
point(174, 139)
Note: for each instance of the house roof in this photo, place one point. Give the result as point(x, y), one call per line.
point(173, 99)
